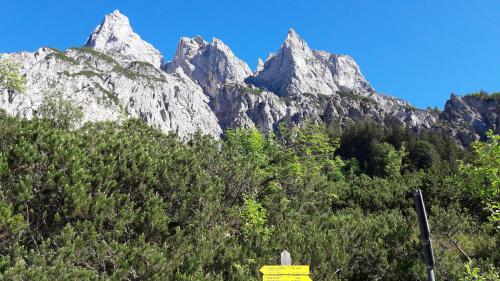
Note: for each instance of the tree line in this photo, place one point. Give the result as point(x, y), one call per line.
point(124, 201)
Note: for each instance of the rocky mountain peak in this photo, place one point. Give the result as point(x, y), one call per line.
point(294, 42)
point(189, 47)
point(116, 37)
point(260, 65)
point(295, 49)
point(211, 65)
point(218, 44)
point(296, 70)
point(207, 87)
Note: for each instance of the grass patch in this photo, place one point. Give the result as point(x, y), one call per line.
point(252, 91)
point(244, 89)
point(96, 54)
point(58, 55)
point(353, 96)
point(55, 49)
point(109, 96)
point(134, 75)
point(130, 74)
point(485, 95)
point(142, 64)
point(86, 73)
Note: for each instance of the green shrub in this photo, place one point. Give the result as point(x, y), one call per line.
point(60, 111)
point(10, 77)
point(123, 201)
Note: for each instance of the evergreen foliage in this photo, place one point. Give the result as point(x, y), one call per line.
point(481, 177)
point(9, 76)
point(60, 111)
point(111, 201)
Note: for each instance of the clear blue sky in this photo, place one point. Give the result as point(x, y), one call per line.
point(417, 50)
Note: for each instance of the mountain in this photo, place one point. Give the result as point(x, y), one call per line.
point(470, 116)
point(106, 90)
point(211, 65)
point(296, 69)
point(115, 37)
point(117, 75)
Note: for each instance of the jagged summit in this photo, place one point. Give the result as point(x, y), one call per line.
point(211, 65)
point(206, 87)
point(294, 70)
point(297, 69)
point(293, 40)
point(292, 34)
point(115, 36)
point(260, 66)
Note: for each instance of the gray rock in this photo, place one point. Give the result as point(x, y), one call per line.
point(211, 65)
point(260, 66)
point(206, 87)
point(114, 36)
point(296, 69)
point(105, 90)
point(469, 117)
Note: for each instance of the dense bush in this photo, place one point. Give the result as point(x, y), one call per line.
point(126, 202)
point(366, 142)
point(9, 76)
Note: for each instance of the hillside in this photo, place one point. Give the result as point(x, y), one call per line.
point(118, 165)
point(124, 201)
point(117, 75)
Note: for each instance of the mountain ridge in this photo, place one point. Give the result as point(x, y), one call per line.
point(206, 87)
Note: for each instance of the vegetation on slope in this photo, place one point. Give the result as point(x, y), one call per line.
point(111, 201)
point(485, 95)
point(128, 202)
point(10, 77)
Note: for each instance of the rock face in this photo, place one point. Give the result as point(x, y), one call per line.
point(206, 87)
point(211, 65)
point(115, 37)
point(260, 66)
point(471, 116)
point(296, 69)
point(287, 87)
point(105, 90)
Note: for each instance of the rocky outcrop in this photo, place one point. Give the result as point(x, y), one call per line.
point(206, 87)
point(470, 116)
point(346, 73)
point(115, 37)
point(240, 105)
point(260, 66)
point(115, 76)
point(211, 65)
point(296, 69)
point(341, 93)
point(105, 90)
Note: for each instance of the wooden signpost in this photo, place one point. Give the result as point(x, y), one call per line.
point(286, 271)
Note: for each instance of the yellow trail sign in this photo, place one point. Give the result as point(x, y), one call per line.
point(286, 278)
point(285, 270)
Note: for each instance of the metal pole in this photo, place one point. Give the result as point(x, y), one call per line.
point(424, 233)
point(430, 274)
